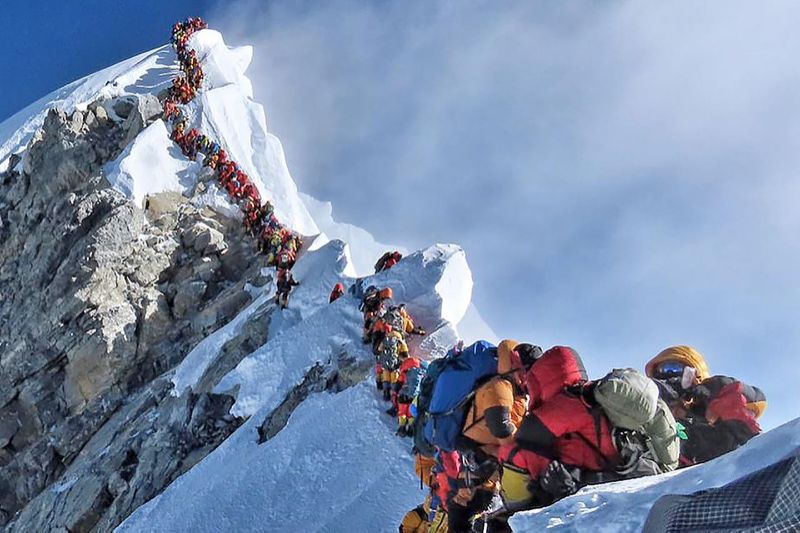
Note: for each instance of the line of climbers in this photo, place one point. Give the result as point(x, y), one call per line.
point(500, 429)
point(398, 373)
point(277, 242)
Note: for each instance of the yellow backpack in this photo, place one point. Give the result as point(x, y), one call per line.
point(514, 483)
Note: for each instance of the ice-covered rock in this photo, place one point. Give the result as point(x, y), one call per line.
point(434, 283)
point(152, 163)
point(336, 467)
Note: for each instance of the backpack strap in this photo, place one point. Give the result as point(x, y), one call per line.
point(475, 419)
point(449, 412)
point(596, 415)
point(512, 454)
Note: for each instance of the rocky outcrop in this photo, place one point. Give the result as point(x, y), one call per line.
point(146, 444)
point(99, 298)
point(335, 376)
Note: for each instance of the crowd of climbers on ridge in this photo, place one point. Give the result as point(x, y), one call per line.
point(500, 429)
point(277, 242)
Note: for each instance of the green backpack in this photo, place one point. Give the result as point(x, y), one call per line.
point(388, 357)
point(644, 429)
point(394, 318)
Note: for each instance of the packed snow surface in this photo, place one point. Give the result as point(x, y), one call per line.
point(152, 154)
point(623, 506)
point(337, 466)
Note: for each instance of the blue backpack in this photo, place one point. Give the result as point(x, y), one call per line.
point(455, 387)
point(423, 402)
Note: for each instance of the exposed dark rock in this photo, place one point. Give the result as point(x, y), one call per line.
point(335, 377)
point(97, 300)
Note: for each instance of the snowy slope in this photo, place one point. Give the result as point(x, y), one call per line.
point(225, 111)
point(364, 251)
point(338, 451)
point(149, 72)
point(623, 506)
point(336, 467)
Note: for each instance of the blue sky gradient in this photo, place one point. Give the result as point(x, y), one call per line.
point(623, 177)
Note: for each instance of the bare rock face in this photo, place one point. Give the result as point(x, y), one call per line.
point(98, 299)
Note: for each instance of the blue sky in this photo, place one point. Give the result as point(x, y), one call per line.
point(623, 177)
point(47, 44)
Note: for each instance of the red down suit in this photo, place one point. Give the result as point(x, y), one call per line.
point(560, 424)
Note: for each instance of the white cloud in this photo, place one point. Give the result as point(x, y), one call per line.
point(623, 176)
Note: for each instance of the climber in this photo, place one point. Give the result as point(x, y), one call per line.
point(561, 428)
point(273, 247)
point(718, 413)
point(285, 283)
point(234, 185)
point(391, 354)
point(389, 319)
point(285, 259)
point(336, 293)
point(387, 261)
point(170, 109)
point(226, 172)
point(397, 317)
point(500, 404)
point(178, 131)
point(409, 378)
point(408, 323)
point(188, 143)
point(372, 304)
point(252, 215)
point(250, 191)
point(492, 419)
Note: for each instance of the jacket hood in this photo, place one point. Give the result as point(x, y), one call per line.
point(558, 367)
point(504, 350)
point(682, 354)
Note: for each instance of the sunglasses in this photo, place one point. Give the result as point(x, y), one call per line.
point(669, 369)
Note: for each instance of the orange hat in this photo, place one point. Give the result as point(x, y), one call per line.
point(682, 354)
point(386, 293)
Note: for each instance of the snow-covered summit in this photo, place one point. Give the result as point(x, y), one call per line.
point(224, 110)
point(150, 72)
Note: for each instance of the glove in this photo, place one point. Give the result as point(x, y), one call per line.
point(560, 481)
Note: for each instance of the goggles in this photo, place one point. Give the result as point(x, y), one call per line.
point(669, 369)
